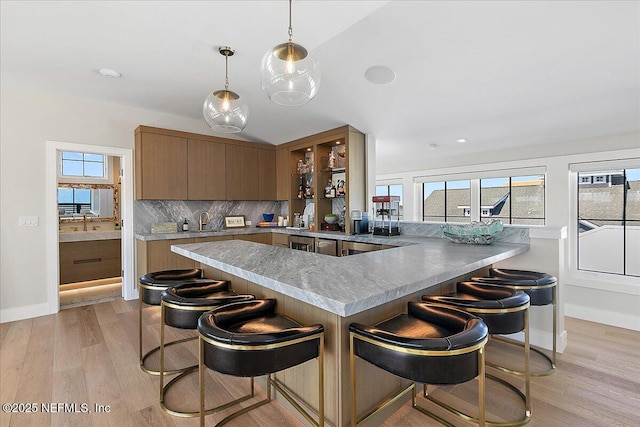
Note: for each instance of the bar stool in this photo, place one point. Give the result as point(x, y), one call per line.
point(505, 311)
point(249, 339)
point(181, 307)
point(542, 290)
point(431, 344)
point(151, 287)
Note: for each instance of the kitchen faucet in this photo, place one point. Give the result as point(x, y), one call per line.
point(205, 221)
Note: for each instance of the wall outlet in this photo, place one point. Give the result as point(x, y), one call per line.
point(248, 223)
point(28, 221)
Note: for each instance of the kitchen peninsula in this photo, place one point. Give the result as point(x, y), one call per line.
point(335, 291)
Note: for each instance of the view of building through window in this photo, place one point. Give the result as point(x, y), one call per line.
point(447, 201)
point(609, 221)
point(514, 200)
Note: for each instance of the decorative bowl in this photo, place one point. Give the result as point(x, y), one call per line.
point(268, 217)
point(331, 219)
point(475, 233)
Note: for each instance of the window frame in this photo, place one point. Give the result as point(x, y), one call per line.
point(108, 170)
point(587, 278)
point(474, 178)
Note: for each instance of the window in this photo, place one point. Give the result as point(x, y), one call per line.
point(75, 164)
point(514, 200)
point(74, 200)
point(446, 201)
point(608, 221)
point(391, 190)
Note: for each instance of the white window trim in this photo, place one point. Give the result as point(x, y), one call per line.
point(592, 279)
point(108, 173)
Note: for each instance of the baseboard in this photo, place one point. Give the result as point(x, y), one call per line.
point(543, 339)
point(25, 312)
point(605, 317)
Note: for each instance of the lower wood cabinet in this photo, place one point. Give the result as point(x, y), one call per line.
point(278, 239)
point(89, 260)
point(258, 237)
point(156, 255)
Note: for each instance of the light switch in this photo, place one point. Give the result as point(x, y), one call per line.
point(28, 221)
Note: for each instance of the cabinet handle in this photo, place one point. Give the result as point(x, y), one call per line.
point(84, 261)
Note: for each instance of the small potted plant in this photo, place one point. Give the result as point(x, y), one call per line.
point(331, 218)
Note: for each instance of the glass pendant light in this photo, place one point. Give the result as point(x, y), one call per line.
point(223, 110)
point(290, 74)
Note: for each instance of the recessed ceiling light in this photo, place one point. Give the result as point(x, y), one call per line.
point(109, 73)
point(432, 146)
point(380, 75)
point(461, 140)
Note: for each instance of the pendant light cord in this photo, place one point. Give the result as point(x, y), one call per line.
point(290, 29)
point(226, 72)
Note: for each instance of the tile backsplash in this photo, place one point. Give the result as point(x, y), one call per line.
point(148, 212)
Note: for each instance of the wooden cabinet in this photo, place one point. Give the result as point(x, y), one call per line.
point(90, 260)
point(282, 175)
point(267, 175)
point(258, 238)
point(346, 143)
point(206, 177)
point(174, 165)
point(161, 166)
point(156, 255)
point(278, 239)
point(242, 172)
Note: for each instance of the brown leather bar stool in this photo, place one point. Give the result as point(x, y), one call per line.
point(249, 339)
point(542, 290)
point(181, 307)
point(505, 311)
point(431, 344)
point(151, 287)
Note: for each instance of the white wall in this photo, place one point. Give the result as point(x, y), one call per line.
point(603, 298)
point(27, 120)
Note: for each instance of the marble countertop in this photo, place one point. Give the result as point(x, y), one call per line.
point(79, 236)
point(349, 285)
point(401, 240)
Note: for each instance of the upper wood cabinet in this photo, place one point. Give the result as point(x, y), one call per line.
point(161, 166)
point(267, 175)
point(283, 179)
point(175, 165)
point(206, 175)
point(344, 142)
point(242, 172)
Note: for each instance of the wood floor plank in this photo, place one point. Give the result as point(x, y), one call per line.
point(89, 355)
point(37, 374)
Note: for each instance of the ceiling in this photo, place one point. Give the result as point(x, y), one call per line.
point(499, 74)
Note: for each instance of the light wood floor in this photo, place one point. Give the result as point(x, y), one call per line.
point(89, 355)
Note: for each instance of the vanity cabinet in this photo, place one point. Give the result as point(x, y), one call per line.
point(89, 260)
point(175, 165)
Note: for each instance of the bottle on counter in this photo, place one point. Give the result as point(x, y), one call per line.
point(185, 225)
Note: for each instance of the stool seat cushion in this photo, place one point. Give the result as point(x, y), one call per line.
point(445, 330)
point(539, 286)
point(489, 302)
point(238, 327)
point(185, 303)
point(155, 282)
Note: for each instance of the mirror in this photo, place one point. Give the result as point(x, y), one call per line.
point(98, 202)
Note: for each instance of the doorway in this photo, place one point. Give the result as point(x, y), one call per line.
point(80, 228)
